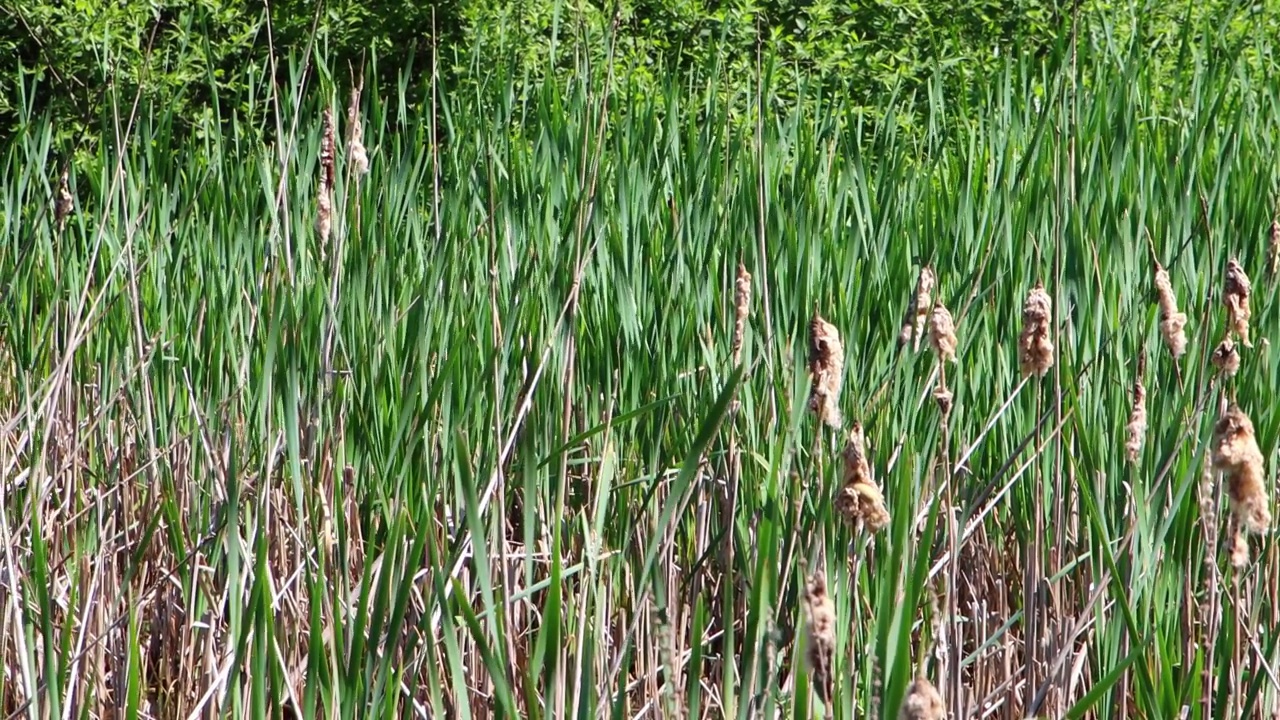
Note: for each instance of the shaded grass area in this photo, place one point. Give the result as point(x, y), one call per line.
point(488, 452)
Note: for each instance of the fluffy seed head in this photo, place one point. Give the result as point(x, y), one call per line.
point(826, 366)
point(1235, 295)
point(860, 500)
point(1237, 456)
point(64, 203)
point(1239, 550)
point(1035, 346)
point(324, 196)
point(942, 333)
point(923, 702)
point(741, 308)
point(1172, 323)
point(1137, 427)
point(355, 142)
point(913, 325)
point(945, 399)
point(820, 630)
point(1226, 357)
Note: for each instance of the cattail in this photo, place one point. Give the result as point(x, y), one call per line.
point(1226, 358)
point(324, 197)
point(821, 634)
point(826, 366)
point(944, 398)
point(1235, 295)
point(1239, 550)
point(1172, 323)
point(1035, 347)
point(64, 203)
point(741, 307)
point(942, 333)
point(923, 702)
point(1137, 427)
point(913, 325)
point(1236, 455)
point(1273, 249)
point(356, 154)
point(860, 500)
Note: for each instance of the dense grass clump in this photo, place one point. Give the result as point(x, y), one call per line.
point(506, 412)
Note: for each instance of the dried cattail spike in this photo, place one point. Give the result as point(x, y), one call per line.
point(913, 324)
point(945, 399)
point(856, 466)
point(1273, 248)
point(826, 366)
point(1239, 550)
point(1137, 427)
point(1236, 297)
point(1236, 455)
point(356, 154)
point(324, 196)
point(1035, 347)
point(741, 308)
point(821, 634)
point(1172, 323)
point(64, 203)
point(942, 333)
point(923, 702)
point(859, 500)
point(1226, 357)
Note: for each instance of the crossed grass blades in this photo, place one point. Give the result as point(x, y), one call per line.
point(519, 424)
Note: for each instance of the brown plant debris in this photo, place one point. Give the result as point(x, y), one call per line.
point(942, 333)
point(64, 204)
point(356, 153)
point(913, 324)
point(1235, 295)
point(923, 702)
point(1239, 550)
point(859, 499)
point(1226, 358)
point(324, 196)
point(1237, 456)
point(826, 367)
point(1035, 346)
point(741, 308)
point(945, 399)
point(1137, 427)
point(820, 630)
point(1172, 323)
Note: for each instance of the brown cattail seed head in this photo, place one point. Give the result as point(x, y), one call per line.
point(356, 154)
point(913, 325)
point(1236, 455)
point(1273, 248)
point(859, 500)
point(324, 197)
point(1172, 323)
point(1235, 296)
point(942, 333)
point(1226, 357)
point(1137, 427)
point(945, 399)
point(64, 203)
point(741, 308)
point(923, 702)
point(826, 366)
point(1239, 550)
point(1035, 346)
point(821, 634)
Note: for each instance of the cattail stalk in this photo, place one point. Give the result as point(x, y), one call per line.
point(820, 631)
point(741, 308)
point(1237, 456)
point(826, 367)
point(1035, 346)
point(1172, 323)
point(1235, 296)
point(324, 195)
point(1137, 427)
point(913, 324)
